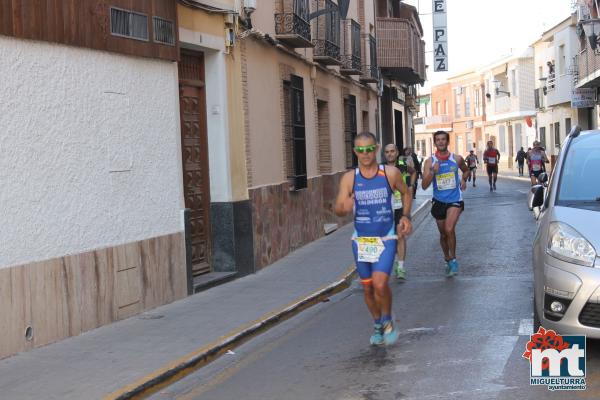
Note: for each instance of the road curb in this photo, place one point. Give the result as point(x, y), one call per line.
point(195, 360)
point(515, 178)
point(201, 357)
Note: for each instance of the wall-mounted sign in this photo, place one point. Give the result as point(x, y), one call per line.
point(440, 36)
point(583, 98)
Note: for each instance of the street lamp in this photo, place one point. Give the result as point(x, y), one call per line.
point(497, 85)
point(591, 28)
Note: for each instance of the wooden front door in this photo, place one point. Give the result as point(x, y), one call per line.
point(194, 148)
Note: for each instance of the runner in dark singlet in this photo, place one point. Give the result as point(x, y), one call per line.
point(491, 158)
point(472, 163)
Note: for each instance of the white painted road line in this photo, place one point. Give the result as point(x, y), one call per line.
point(526, 327)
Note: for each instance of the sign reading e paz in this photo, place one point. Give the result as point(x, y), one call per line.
point(440, 36)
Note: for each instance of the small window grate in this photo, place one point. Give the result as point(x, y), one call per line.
point(164, 31)
point(128, 24)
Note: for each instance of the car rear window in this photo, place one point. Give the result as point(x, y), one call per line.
point(580, 174)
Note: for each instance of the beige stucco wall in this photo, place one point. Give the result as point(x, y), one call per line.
point(237, 145)
point(266, 147)
point(199, 21)
point(265, 121)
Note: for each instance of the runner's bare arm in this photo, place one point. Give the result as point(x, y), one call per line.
point(404, 227)
point(413, 176)
point(345, 198)
point(427, 174)
point(465, 170)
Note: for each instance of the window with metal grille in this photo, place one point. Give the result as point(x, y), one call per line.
point(128, 24)
point(543, 136)
point(164, 31)
point(350, 130)
point(296, 131)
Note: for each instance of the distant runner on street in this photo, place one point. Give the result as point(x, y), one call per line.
point(491, 158)
point(472, 163)
point(520, 159)
point(537, 160)
point(443, 170)
point(409, 175)
point(368, 190)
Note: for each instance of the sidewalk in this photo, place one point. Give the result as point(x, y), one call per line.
point(513, 173)
point(117, 360)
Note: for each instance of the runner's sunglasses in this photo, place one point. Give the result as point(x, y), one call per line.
point(365, 149)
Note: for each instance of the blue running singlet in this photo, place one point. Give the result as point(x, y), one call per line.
point(374, 217)
point(446, 182)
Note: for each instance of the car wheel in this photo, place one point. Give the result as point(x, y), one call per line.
point(536, 318)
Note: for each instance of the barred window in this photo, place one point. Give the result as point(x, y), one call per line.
point(128, 24)
point(295, 135)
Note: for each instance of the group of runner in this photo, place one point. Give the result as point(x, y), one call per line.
point(380, 196)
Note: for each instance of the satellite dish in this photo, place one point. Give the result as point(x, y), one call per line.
point(343, 5)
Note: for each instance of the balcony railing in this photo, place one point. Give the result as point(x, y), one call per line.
point(326, 30)
point(370, 74)
point(292, 26)
point(588, 64)
point(437, 119)
point(370, 71)
point(327, 52)
point(351, 60)
point(502, 104)
point(400, 50)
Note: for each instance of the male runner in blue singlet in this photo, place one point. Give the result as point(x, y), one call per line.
point(443, 170)
point(368, 190)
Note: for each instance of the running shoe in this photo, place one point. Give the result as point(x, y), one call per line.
point(399, 271)
point(377, 336)
point(390, 333)
point(452, 267)
point(491, 189)
point(494, 187)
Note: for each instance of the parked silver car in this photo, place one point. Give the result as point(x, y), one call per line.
point(566, 248)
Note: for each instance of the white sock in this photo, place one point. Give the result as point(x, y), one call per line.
point(401, 263)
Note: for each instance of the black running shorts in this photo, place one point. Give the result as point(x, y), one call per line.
point(439, 209)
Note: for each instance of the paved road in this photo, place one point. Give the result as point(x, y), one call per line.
point(461, 338)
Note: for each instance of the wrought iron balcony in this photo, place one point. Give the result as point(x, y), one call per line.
point(370, 74)
point(370, 70)
point(351, 60)
point(326, 52)
point(326, 30)
point(292, 26)
point(351, 65)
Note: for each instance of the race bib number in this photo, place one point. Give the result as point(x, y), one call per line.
point(536, 167)
point(397, 200)
point(492, 160)
point(369, 249)
point(446, 181)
